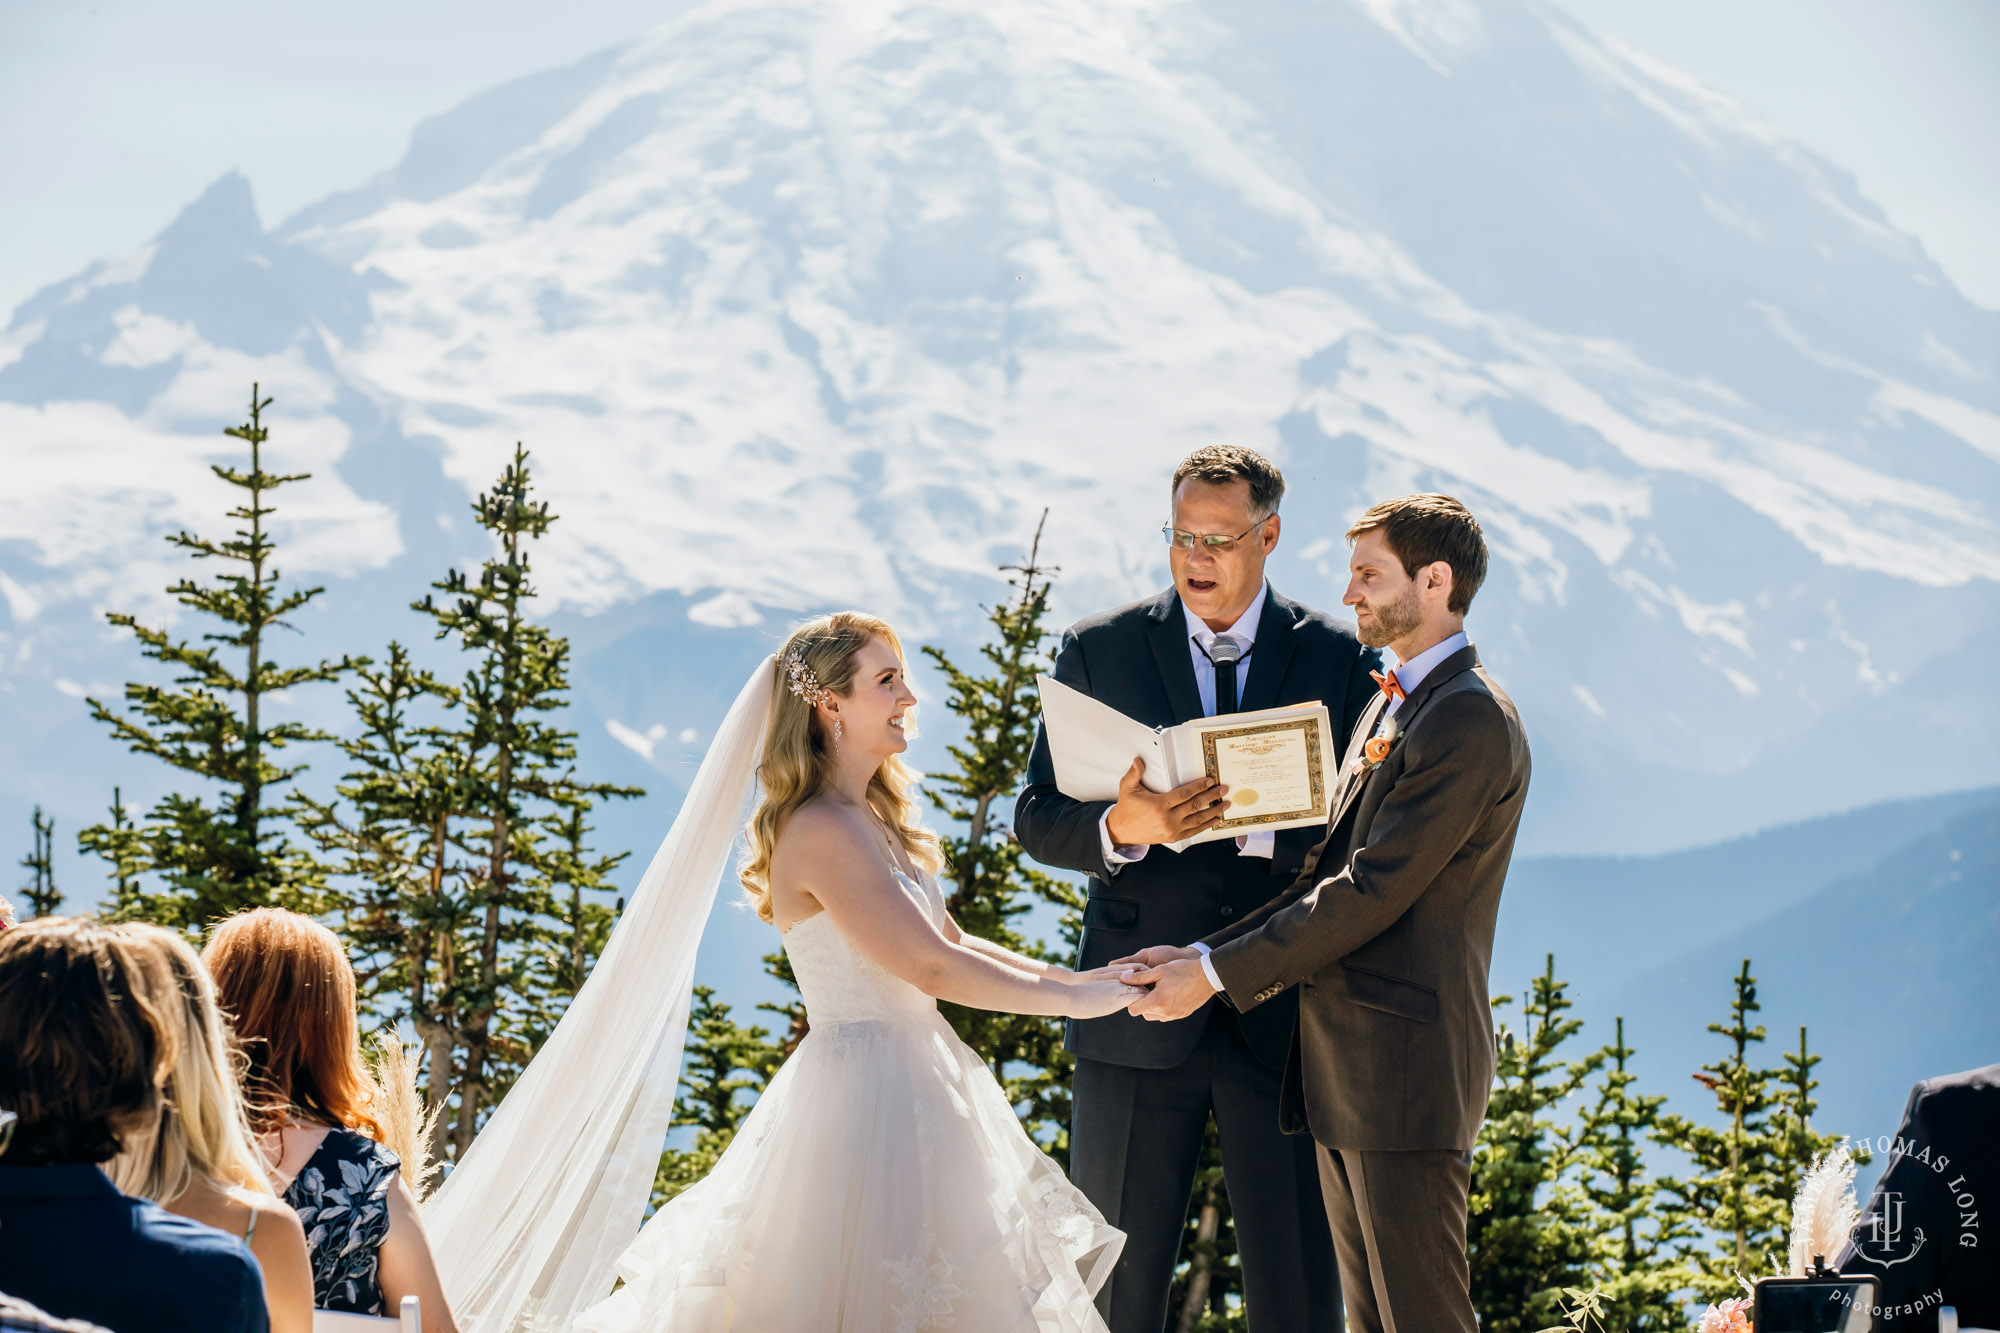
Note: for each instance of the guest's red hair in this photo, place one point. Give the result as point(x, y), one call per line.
point(288, 988)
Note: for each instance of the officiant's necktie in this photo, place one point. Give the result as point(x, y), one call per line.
point(1224, 654)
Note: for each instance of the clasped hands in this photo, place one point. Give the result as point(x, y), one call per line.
point(1171, 978)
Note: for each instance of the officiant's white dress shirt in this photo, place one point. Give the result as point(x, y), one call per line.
point(1409, 675)
point(1201, 642)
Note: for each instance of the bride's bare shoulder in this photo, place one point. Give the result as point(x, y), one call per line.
point(820, 833)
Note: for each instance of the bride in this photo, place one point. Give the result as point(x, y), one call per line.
point(882, 1180)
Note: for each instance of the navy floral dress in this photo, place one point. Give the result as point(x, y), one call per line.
point(342, 1199)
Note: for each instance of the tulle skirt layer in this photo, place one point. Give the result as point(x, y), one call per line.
point(881, 1185)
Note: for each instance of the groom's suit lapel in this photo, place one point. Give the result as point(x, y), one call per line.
point(1168, 636)
point(1465, 659)
point(1352, 781)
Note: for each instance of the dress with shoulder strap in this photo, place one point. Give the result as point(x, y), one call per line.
point(342, 1199)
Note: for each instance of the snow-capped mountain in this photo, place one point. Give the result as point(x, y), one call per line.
point(805, 304)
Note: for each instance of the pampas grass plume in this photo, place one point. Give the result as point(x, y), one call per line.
point(407, 1124)
point(1824, 1212)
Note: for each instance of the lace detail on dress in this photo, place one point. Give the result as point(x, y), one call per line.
point(926, 1288)
point(1056, 1208)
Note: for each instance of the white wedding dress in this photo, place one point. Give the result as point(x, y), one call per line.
point(881, 1184)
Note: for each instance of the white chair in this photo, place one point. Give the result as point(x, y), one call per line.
point(1948, 1322)
point(410, 1319)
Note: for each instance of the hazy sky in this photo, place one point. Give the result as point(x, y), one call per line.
point(115, 114)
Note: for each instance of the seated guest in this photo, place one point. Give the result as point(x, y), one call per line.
point(198, 1161)
point(1914, 1234)
point(83, 1053)
point(287, 985)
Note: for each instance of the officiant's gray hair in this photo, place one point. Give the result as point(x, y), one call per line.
point(1220, 464)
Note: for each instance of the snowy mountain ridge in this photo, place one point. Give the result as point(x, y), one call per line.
point(804, 305)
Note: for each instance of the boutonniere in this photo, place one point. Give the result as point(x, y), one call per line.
point(1378, 747)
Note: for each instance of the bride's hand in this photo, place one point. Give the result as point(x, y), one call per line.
point(1099, 996)
point(1109, 972)
point(1157, 956)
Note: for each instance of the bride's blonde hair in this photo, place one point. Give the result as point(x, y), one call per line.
point(798, 754)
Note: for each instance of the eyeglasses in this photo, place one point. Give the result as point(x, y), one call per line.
point(1183, 540)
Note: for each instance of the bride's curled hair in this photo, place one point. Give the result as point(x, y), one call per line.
point(798, 753)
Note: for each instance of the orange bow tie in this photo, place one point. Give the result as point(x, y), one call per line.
point(1390, 685)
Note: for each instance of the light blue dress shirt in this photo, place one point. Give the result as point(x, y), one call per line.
point(1201, 641)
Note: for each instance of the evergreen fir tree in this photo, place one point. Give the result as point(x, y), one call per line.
point(119, 843)
point(393, 837)
point(212, 723)
point(577, 882)
point(1733, 1191)
point(988, 881)
point(723, 1061)
point(1529, 1234)
point(519, 674)
point(477, 908)
point(40, 890)
point(1795, 1144)
point(1632, 1265)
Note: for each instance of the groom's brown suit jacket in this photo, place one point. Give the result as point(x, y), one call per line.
point(1388, 930)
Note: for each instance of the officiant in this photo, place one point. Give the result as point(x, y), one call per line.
point(1221, 640)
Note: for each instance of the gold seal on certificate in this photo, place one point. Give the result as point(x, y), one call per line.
point(1275, 771)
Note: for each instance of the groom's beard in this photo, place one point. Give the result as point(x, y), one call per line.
point(1389, 621)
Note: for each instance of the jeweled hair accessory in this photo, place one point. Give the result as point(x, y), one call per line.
point(801, 680)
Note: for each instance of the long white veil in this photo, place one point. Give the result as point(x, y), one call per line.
point(530, 1224)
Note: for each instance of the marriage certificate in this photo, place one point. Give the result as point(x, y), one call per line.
point(1274, 761)
point(1275, 770)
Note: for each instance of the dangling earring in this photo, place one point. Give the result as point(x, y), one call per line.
point(837, 729)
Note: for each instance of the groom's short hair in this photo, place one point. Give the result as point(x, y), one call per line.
point(1424, 529)
point(1220, 464)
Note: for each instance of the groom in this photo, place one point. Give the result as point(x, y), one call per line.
point(1388, 933)
point(1219, 641)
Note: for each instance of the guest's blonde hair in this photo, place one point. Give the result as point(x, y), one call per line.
point(798, 754)
point(202, 1128)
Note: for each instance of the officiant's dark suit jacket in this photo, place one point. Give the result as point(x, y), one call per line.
point(1386, 935)
point(1136, 660)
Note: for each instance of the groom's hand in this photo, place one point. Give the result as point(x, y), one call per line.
point(1179, 988)
point(1159, 955)
point(1144, 817)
